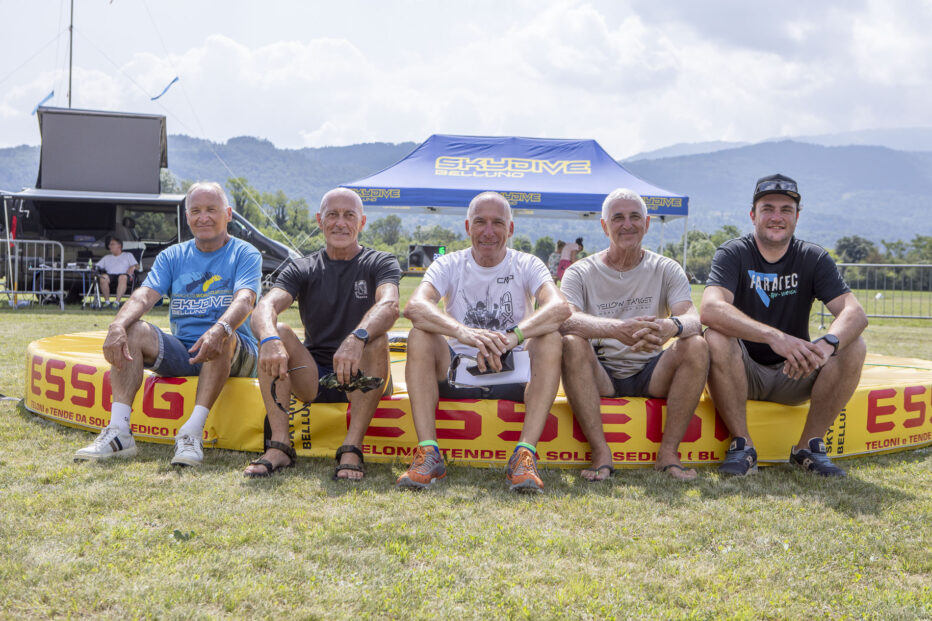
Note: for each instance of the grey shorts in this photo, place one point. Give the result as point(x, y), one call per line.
point(636, 385)
point(172, 360)
point(767, 382)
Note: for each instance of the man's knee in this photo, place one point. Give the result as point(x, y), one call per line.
point(854, 352)
point(692, 351)
point(720, 345)
point(546, 344)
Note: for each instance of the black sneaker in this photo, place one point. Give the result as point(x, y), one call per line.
point(816, 460)
point(740, 460)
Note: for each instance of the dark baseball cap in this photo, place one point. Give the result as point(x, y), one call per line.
point(776, 184)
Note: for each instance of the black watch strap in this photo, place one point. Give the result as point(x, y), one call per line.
point(679, 325)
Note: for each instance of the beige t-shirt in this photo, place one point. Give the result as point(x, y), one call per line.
point(651, 288)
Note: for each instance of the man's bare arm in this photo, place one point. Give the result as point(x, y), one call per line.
point(377, 321)
point(592, 327)
point(214, 339)
point(273, 359)
point(720, 313)
point(552, 311)
point(850, 319)
point(424, 315)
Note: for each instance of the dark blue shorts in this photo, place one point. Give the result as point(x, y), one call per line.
point(172, 360)
point(636, 385)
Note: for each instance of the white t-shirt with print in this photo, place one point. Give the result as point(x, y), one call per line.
point(492, 298)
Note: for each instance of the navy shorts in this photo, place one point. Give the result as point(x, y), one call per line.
point(172, 360)
point(636, 385)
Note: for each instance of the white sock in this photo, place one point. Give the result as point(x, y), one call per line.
point(194, 426)
point(119, 416)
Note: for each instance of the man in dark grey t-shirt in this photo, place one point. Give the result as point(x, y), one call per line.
point(348, 300)
point(757, 303)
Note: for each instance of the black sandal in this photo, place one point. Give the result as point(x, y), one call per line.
point(349, 448)
point(271, 468)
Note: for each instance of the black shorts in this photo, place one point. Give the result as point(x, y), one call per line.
point(334, 395)
point(636, 385)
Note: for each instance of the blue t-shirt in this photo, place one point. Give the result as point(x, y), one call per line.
point(201, 284)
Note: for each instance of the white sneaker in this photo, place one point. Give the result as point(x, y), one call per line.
point(188, 451)
point(110, 443)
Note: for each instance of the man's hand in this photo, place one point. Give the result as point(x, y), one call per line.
point(273, 359)
point(116, 346)
point(209, 346)
point(491, 345)
point(347, 357)
point(802, 357)
point(643, 333)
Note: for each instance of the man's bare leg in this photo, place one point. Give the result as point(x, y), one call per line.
point(834, 386)
point(728, 384)
point(122, 280)
point(546, 352)
point(374, 363)
point(304, 384)
point(143, 342)
point(680, 376)
point(585, 381)
point(426, 365)
point(104, 282)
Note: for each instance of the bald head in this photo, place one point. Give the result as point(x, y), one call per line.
point(337, 193)
point(491, 197)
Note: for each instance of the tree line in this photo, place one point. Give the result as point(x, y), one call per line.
point(292, 221)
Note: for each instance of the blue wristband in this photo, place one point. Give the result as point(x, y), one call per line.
point(269, 338)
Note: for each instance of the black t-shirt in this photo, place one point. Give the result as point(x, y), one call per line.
point(778, 294)
point(333, 296)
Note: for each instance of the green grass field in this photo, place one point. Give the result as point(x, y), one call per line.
point(140, 540)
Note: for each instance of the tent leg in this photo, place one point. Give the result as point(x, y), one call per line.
point(685, 236)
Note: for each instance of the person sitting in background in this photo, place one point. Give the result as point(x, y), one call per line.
point(553, 261)
point(118, 266)
point(568, 256)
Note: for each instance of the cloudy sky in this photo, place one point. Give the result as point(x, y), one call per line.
point(634, 74)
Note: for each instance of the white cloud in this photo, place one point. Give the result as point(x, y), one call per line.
point(635, 75)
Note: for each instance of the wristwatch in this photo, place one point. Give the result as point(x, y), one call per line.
point(226, 327)
point(832, 340)
point(679, 325)
point(362, 334)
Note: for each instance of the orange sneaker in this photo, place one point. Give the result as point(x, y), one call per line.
point(521, 473)
point(426, 468)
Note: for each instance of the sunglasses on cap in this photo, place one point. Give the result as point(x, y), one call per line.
point(787, 186)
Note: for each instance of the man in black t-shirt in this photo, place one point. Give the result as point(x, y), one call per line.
point(757, 304)
point(348, 300)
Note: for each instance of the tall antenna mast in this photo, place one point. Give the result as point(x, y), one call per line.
point(70, 50)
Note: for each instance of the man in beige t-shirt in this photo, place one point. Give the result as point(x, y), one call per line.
point(627, 302)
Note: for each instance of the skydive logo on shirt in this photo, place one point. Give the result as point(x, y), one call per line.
point(769, 286)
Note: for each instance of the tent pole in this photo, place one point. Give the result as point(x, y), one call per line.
point(685, 236)
point(663, 227)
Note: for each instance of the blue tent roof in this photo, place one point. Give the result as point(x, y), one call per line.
point(540, 177)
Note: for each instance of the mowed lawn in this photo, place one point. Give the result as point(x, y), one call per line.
point(140, 539)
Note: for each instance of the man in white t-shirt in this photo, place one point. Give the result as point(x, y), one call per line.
point(627, 302)
point(118, 266)
point(489, 292)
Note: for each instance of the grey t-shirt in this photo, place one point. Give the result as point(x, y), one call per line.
point(651, 288)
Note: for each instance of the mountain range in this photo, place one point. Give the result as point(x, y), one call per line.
point(874, 183)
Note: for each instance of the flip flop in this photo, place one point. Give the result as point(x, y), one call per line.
point(609, 467)
point(682, 469)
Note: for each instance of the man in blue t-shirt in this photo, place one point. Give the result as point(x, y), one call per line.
point(757, 303)
point(213, 281)
point(347, 296)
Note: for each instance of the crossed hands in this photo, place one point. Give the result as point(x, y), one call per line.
point(491, 345)
point(645, 333)
point(802, 357)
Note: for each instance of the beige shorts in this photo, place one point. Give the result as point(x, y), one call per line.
point(767, 382)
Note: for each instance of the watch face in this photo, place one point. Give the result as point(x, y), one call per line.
point(362, 335)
